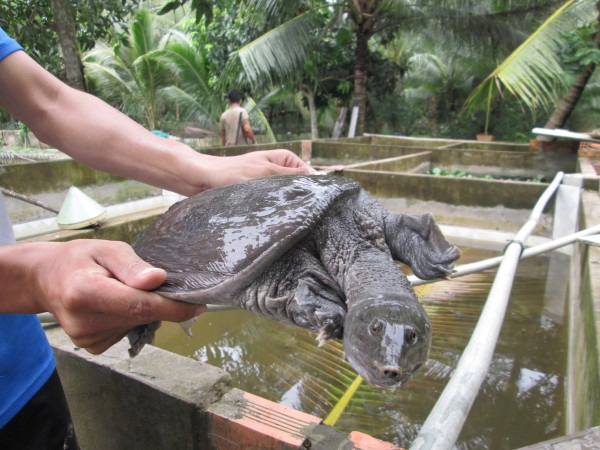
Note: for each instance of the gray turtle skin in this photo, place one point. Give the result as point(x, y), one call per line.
point(313, 251)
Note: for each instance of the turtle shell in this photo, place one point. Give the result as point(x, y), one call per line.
point(217, 242)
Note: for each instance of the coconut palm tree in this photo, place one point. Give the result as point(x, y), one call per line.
point(440, 79)
point(160, 67)
point(131, 75)
point(533, 72)
point(292, 26)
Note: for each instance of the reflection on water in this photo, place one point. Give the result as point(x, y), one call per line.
point(521, 401)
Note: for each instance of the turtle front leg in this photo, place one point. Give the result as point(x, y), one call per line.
point(319, 307)
point(299, 290)
point(418, 242)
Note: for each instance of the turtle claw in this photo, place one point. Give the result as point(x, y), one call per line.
point(321, 338)
point(329, 329)
point(186, 326)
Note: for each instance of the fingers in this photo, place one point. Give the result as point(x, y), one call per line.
point(132, 306)
point(288, 163)
point(124, 264)
point(307, 170)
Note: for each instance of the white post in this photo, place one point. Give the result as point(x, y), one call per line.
point(353, 121)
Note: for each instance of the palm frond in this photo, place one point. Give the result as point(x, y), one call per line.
point(258, 120)
point(191, 108)
point(299, 103)
point(278, 54)
point(143, 33)
point(533, 72)
point(271, 13)
point(189, 65)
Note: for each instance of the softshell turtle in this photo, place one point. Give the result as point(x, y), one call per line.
point(314, 251)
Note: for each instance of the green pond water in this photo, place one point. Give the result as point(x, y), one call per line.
point(521, 401)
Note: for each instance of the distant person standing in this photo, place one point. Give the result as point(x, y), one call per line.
point(235, 126)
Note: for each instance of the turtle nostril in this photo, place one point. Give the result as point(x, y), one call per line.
point(389, 372)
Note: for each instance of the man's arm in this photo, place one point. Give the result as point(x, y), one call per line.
point(98, 135)
point(98, 289)
point(249, 133)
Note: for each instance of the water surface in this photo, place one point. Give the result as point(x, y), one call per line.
point(521, 401)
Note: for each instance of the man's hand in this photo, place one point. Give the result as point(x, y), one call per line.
point(236, 169)
point(98, 290)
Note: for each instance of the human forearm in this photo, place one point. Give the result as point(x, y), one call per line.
point(95, 133)
point(118, 145)
point(249, 133)
point(18, 279)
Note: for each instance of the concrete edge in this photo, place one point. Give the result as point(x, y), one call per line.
point(162, 400)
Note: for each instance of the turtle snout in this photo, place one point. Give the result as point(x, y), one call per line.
point(392, 376)
point(390, 372)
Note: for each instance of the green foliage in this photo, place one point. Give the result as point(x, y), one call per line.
point(23, 134)
point(580, 49)
point(533, 72)
point(131, 74)
point(31, 23)
point(159, 75)
point(203, 8)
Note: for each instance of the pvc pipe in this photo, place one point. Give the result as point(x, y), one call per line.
point(446, 419)
point(49, 318)
point(480, 266)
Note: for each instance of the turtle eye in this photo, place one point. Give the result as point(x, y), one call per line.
point(410, 336)
point(375, 327)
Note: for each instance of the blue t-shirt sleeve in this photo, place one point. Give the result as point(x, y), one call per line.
point(7, 45)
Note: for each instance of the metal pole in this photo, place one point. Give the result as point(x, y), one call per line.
point(27, 199)
point(442, 427)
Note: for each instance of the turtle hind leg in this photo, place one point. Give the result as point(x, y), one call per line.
point(418, 241)
point(140, 336)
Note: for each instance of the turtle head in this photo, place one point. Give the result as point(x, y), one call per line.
point(387, 339)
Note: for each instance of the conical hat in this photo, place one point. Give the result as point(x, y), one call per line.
point(79, 211)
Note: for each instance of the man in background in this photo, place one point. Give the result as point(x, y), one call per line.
point(235, 126)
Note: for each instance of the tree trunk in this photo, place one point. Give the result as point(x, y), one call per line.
point(67, 38)
point(432, 114)
point(360, 77)
point(567, 103)
point(312, 108)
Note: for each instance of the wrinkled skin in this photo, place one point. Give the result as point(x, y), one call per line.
point(317, 252)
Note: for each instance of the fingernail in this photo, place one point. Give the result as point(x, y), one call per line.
point(150, 270)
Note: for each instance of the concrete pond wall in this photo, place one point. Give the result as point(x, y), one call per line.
point(585, 342)
point(50, 181)
point(161, 400)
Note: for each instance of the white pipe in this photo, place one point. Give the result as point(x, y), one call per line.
point(49, 318)
point(480, 266)
point(446, 419)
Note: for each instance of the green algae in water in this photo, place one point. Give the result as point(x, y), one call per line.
point(520, 402)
